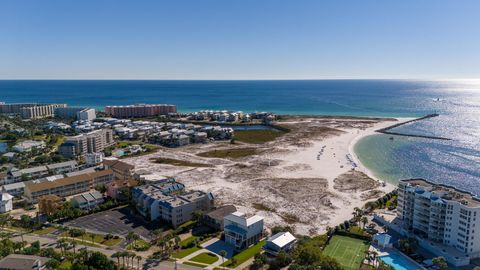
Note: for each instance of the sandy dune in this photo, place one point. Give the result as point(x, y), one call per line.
point(292, 181)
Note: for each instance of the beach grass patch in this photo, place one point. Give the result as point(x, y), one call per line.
point(260, 136)
point(229, 153)
point(290, 218)
point(349, 252)
point(263, 207)
point(177, 162)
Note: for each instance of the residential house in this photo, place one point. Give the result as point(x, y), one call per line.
point(282, 241)
point(214, 219)
point(23, 262)
point(118, 189)
point(27, 146)
point(122, 170)
point(242, 231)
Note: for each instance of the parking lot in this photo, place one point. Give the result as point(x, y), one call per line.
point(118, 221)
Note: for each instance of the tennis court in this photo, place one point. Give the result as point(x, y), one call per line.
point(349, 252)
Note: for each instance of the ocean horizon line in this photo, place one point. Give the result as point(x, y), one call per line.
point(257, 80)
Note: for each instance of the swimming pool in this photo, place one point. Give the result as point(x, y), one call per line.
point(398, 261)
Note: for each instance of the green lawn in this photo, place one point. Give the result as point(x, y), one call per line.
point(112, 242)
point(349, 252)
point(246, 254)
point(83, 243)
point(140, 245)
point(98, 239)
point(206, 258)
point(185, 252)
point(195, 264)
point(185, 242)
point(257, 136)
point(65, 265)
point(45, 230)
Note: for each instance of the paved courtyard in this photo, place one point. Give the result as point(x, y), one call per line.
point(119, 221)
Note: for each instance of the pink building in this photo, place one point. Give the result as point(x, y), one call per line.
point(140, 110)
point(118, 189)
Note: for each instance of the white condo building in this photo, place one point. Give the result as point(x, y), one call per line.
point(445, 220)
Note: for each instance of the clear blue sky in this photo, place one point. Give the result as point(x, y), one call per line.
point(242, 39)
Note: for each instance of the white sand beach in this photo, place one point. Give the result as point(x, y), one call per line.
point(305, 179)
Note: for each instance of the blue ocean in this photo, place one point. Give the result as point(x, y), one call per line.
point(455, 162)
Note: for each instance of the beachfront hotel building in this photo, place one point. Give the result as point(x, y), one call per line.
point(92, 142)
point(445, 220)
point(140, 110)
point(40, 111)
point(31, 110)
point(78, 113)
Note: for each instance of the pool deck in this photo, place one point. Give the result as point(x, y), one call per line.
point(386, 252)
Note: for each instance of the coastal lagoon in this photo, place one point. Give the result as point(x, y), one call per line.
point(455, 162)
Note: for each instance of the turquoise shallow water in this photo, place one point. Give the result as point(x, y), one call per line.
point(455, 162)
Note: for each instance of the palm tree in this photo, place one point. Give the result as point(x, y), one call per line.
point(135, 238)
point(127, 258)
point(354, 217)
point(74, 245)
point(5, 219)
point(374, 254)
point(177, 241)
point(123, 254)
point(83, 252)
point(223, 253)
point(60, 244)
point(161, 244)
point(364, 220)
point(92, 236)
point(130, 236)
point(158, 233)
point(139, 258)
point(117, 256)
point(133, 256)
point(82, 234)
point(367, 256)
